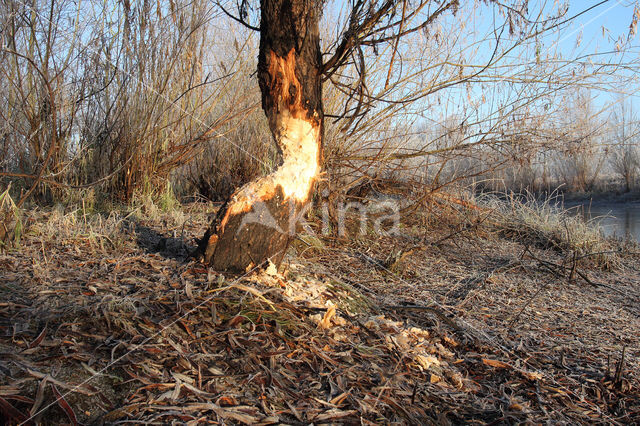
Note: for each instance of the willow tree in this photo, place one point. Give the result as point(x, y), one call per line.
point(254, 224)
point(258, 221)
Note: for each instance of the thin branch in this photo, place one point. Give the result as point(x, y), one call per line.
point(237, 19)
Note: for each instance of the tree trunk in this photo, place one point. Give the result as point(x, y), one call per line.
point(259, 220)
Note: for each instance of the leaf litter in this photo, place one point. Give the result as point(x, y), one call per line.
point(106, 323)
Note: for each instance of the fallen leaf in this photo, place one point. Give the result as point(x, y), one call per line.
point(495, 363)
point(326, 320)
point(426, 362)
point(64, 405)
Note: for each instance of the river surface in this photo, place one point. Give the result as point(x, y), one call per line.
point(615, 219)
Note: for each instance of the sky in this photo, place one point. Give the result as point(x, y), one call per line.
point(597, 31)
point(584, 35)
point(601, 29)
point(614, 16)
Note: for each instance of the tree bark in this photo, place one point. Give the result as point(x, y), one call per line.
point(259, 220)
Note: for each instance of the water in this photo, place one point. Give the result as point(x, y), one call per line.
point(615, 219)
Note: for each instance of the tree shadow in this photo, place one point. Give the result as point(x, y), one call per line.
point(170, 247)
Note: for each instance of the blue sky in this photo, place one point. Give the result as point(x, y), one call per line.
point(601, 30)
point(614, 16)
point(593, 34)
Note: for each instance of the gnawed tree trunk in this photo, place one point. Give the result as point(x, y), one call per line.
point(258, 221)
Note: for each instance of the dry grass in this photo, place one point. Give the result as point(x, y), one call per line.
point(103, 309)
point(10, 221)
point(544, 224)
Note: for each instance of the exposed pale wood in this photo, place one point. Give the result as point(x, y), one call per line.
point(259, 220)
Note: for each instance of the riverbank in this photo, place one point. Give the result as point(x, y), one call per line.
point(615, 215)
point(456, 318)
point(598, 198)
